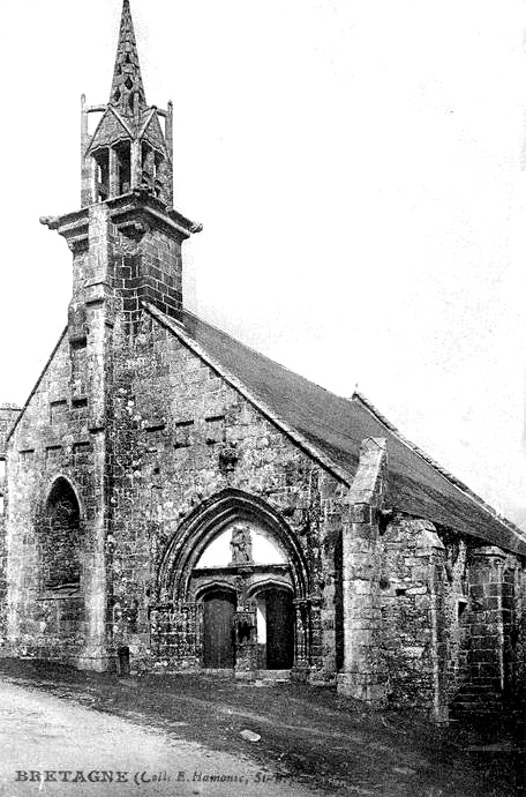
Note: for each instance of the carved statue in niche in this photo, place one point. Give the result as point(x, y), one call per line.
point(241, 545)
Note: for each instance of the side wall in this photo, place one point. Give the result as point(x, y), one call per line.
point(53, 439)
point(453, 619)
point(8, 415)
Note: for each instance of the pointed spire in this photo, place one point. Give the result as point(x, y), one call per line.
point(127, 88)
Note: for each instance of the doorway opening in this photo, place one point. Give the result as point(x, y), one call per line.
point(219, 606)
point(275, 629)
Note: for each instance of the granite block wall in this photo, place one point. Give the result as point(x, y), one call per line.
point(8, 415)
point(452, 625)
point(182, 435)
point(59, 440)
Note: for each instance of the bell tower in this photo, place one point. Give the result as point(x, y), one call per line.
point(127, 237)
point(126, 240)
point(132, 146)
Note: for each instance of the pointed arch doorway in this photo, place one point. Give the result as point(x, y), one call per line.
point(275, 628)
point(219, 606)
point(232, 591)
point(243, 588)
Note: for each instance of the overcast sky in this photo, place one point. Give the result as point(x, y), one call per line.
point(359, 168)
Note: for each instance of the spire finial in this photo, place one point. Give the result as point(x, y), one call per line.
point(127, 90)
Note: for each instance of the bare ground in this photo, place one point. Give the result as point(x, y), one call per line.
point(316, 737)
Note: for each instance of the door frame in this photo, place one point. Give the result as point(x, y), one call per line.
point(277, 586)
point(204, 595)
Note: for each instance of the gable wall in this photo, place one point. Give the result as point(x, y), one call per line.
point(153, 134)
point(108, 132)
point(182, 435)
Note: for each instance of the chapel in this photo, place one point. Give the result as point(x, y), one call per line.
point(170, 495)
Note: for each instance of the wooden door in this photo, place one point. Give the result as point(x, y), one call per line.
point(280, 632)
point(218, 629)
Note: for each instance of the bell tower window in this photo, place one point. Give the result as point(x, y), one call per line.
point(147, 165)
point(130, 146)
point(102, 174)
point(123, 154)
point(158, 174)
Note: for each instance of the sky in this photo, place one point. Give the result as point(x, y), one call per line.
point(359, 170)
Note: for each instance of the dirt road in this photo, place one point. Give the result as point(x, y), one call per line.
point(52, 747)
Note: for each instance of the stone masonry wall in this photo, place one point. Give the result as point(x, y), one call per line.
point(149, 272)
point(52, 440)
point(8, 415)
point(362, 675)
point(494, 631)
point(412, 608)
point(145, 432)
point(518, 635)
point(182, 435)
point(452, 621)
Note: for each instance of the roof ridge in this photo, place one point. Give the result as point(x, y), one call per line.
point(460, 485)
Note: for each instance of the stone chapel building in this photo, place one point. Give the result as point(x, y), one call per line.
point(170, 491)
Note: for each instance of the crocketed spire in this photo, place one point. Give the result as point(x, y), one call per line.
point(132, 144)
point(127, 86)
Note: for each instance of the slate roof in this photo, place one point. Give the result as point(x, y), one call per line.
point(332, 428)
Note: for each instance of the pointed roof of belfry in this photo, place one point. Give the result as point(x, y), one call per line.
point(127, 78)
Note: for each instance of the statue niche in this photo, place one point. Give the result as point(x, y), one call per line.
point(77, 324)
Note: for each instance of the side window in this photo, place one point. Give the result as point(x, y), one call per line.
point(61, 538)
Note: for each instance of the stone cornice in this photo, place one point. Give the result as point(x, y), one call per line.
point(136, 207)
